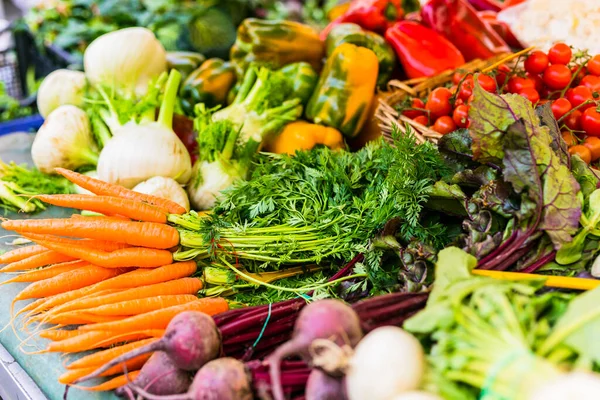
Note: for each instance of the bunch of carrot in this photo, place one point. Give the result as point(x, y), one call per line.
point(113, 275)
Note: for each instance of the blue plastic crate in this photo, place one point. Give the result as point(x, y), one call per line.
point(26, 124)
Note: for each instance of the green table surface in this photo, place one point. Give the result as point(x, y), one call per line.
point(44, 369)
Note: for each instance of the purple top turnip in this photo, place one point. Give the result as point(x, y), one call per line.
point(321, 386)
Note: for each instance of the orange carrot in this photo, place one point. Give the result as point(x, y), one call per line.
point(48, 272)
point(96, 340)
point(145, 234)
point(159, 319)
point(103, 245)
point(102, 188)
point(131, 365)
point(107, 205)
point(113, 384)
point(142, 257)
point(58, 334)
point(172, 287)
point(48, 257)
point(100, 358)
point(141, 306)
point(81, 318)
point(100, 217)
point(21, 253)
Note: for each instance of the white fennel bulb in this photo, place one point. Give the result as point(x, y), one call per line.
point(207, 181)
point(64, 140)
point(387, 362)
point(127, 59)
point(575, 386)
point(148, 149)
point(61, 87)
point(166, 188)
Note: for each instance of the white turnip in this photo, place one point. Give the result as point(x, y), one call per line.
point(576, 385)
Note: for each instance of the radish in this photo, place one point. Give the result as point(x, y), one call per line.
point(416, 395)
point(160, 376)
point(386, 363)
point(191, 340)
point(576, 385)
point(321, 386)
point(221, 379)
point(323, 319)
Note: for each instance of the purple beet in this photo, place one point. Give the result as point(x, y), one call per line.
point(321, 386)
point(160, 375)
point(191, 340)
point(323, 319)
point(221, 379)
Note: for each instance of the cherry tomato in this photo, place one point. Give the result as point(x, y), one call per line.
point(458, 76)
point(530, 94)
point(438, 102)
point(502, 73)
point(569, 138)
point(593, 66)
point(560, 53)
point(516, 84)
point(466, 88)
point(579, 75)
point(593, 143)
point(581, 151)
point(590, 122)
point(560, 107)
point(592, 82)
point(415, 104)
point(557, 76)
point(444, 125)
point(422, 119)
point(573, 120)
point(461, 116)
point(537, 80)
point(487, 83)
point(458, 102)
point(579, 95)
point(536, 63)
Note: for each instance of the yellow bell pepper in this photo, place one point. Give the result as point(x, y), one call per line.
point(370, 130)
point(302, 135)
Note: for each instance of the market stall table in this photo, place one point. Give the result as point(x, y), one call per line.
point(18, 379)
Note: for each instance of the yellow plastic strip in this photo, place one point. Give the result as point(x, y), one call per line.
point(562, 282)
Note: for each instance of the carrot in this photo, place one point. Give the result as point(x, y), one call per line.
point(133, 364)
point(172, 287)
point(145, 234)
point(103, 245)
point(159, 319)
point(81, 318)
point(39, 260)
point(103, 217)
point(141, 306)
point(142, 257)
point(113, 384)
point(102, 188)
point(48, 272)
point(58, 334)
point(100, 358)
point(96, 340)
point(107, 205)
point(21, 253)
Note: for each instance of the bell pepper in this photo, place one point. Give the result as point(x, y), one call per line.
point(370, 130)
point(276, 43)
point(352, 33)
point(302, 135)
point(486, 5)
point(184, 61)
point(208, 84)
point(510, 3)
point(422, 51)
point(304, 79)
point(501, 29)
point(338, 10)
point(459, 23)
point(345, 89)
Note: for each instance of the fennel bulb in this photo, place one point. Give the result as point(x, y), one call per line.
point(64, 140)
point(167, 188)
point(148, 149)
point(208, 180)
point(61, 87)
point(126, 59)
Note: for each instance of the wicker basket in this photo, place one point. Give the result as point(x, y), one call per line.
point(388, 116)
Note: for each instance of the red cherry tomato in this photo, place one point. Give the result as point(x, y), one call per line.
point(593, 143)
point(530, 94)
point(573, 120)
point(560, 53)
point(502, 74)
point(444, 125)
point(579, 95)
point(438, 102)
point(560, 107)
point(461, 116)
point(592, 82)
point(593, 65)
point(466, 88)
point(536, 63)
point(582, 72)
point(537, 80)
point(412, 113)
point(557, 76)
point(459, 76)
point(590, 122)
point(487, 83)
point(422, 119)
point(516, 84)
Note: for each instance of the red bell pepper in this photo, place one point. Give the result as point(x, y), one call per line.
point(501, 29)
point(486, 5)
point(422, 51)
point(510, 3)
point(459, 23)
point(371, 15)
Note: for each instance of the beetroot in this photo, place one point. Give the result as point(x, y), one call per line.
point(323, 319)
point(191, 340)
point(159, 375)
point(221, 379)
point(321, 386)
